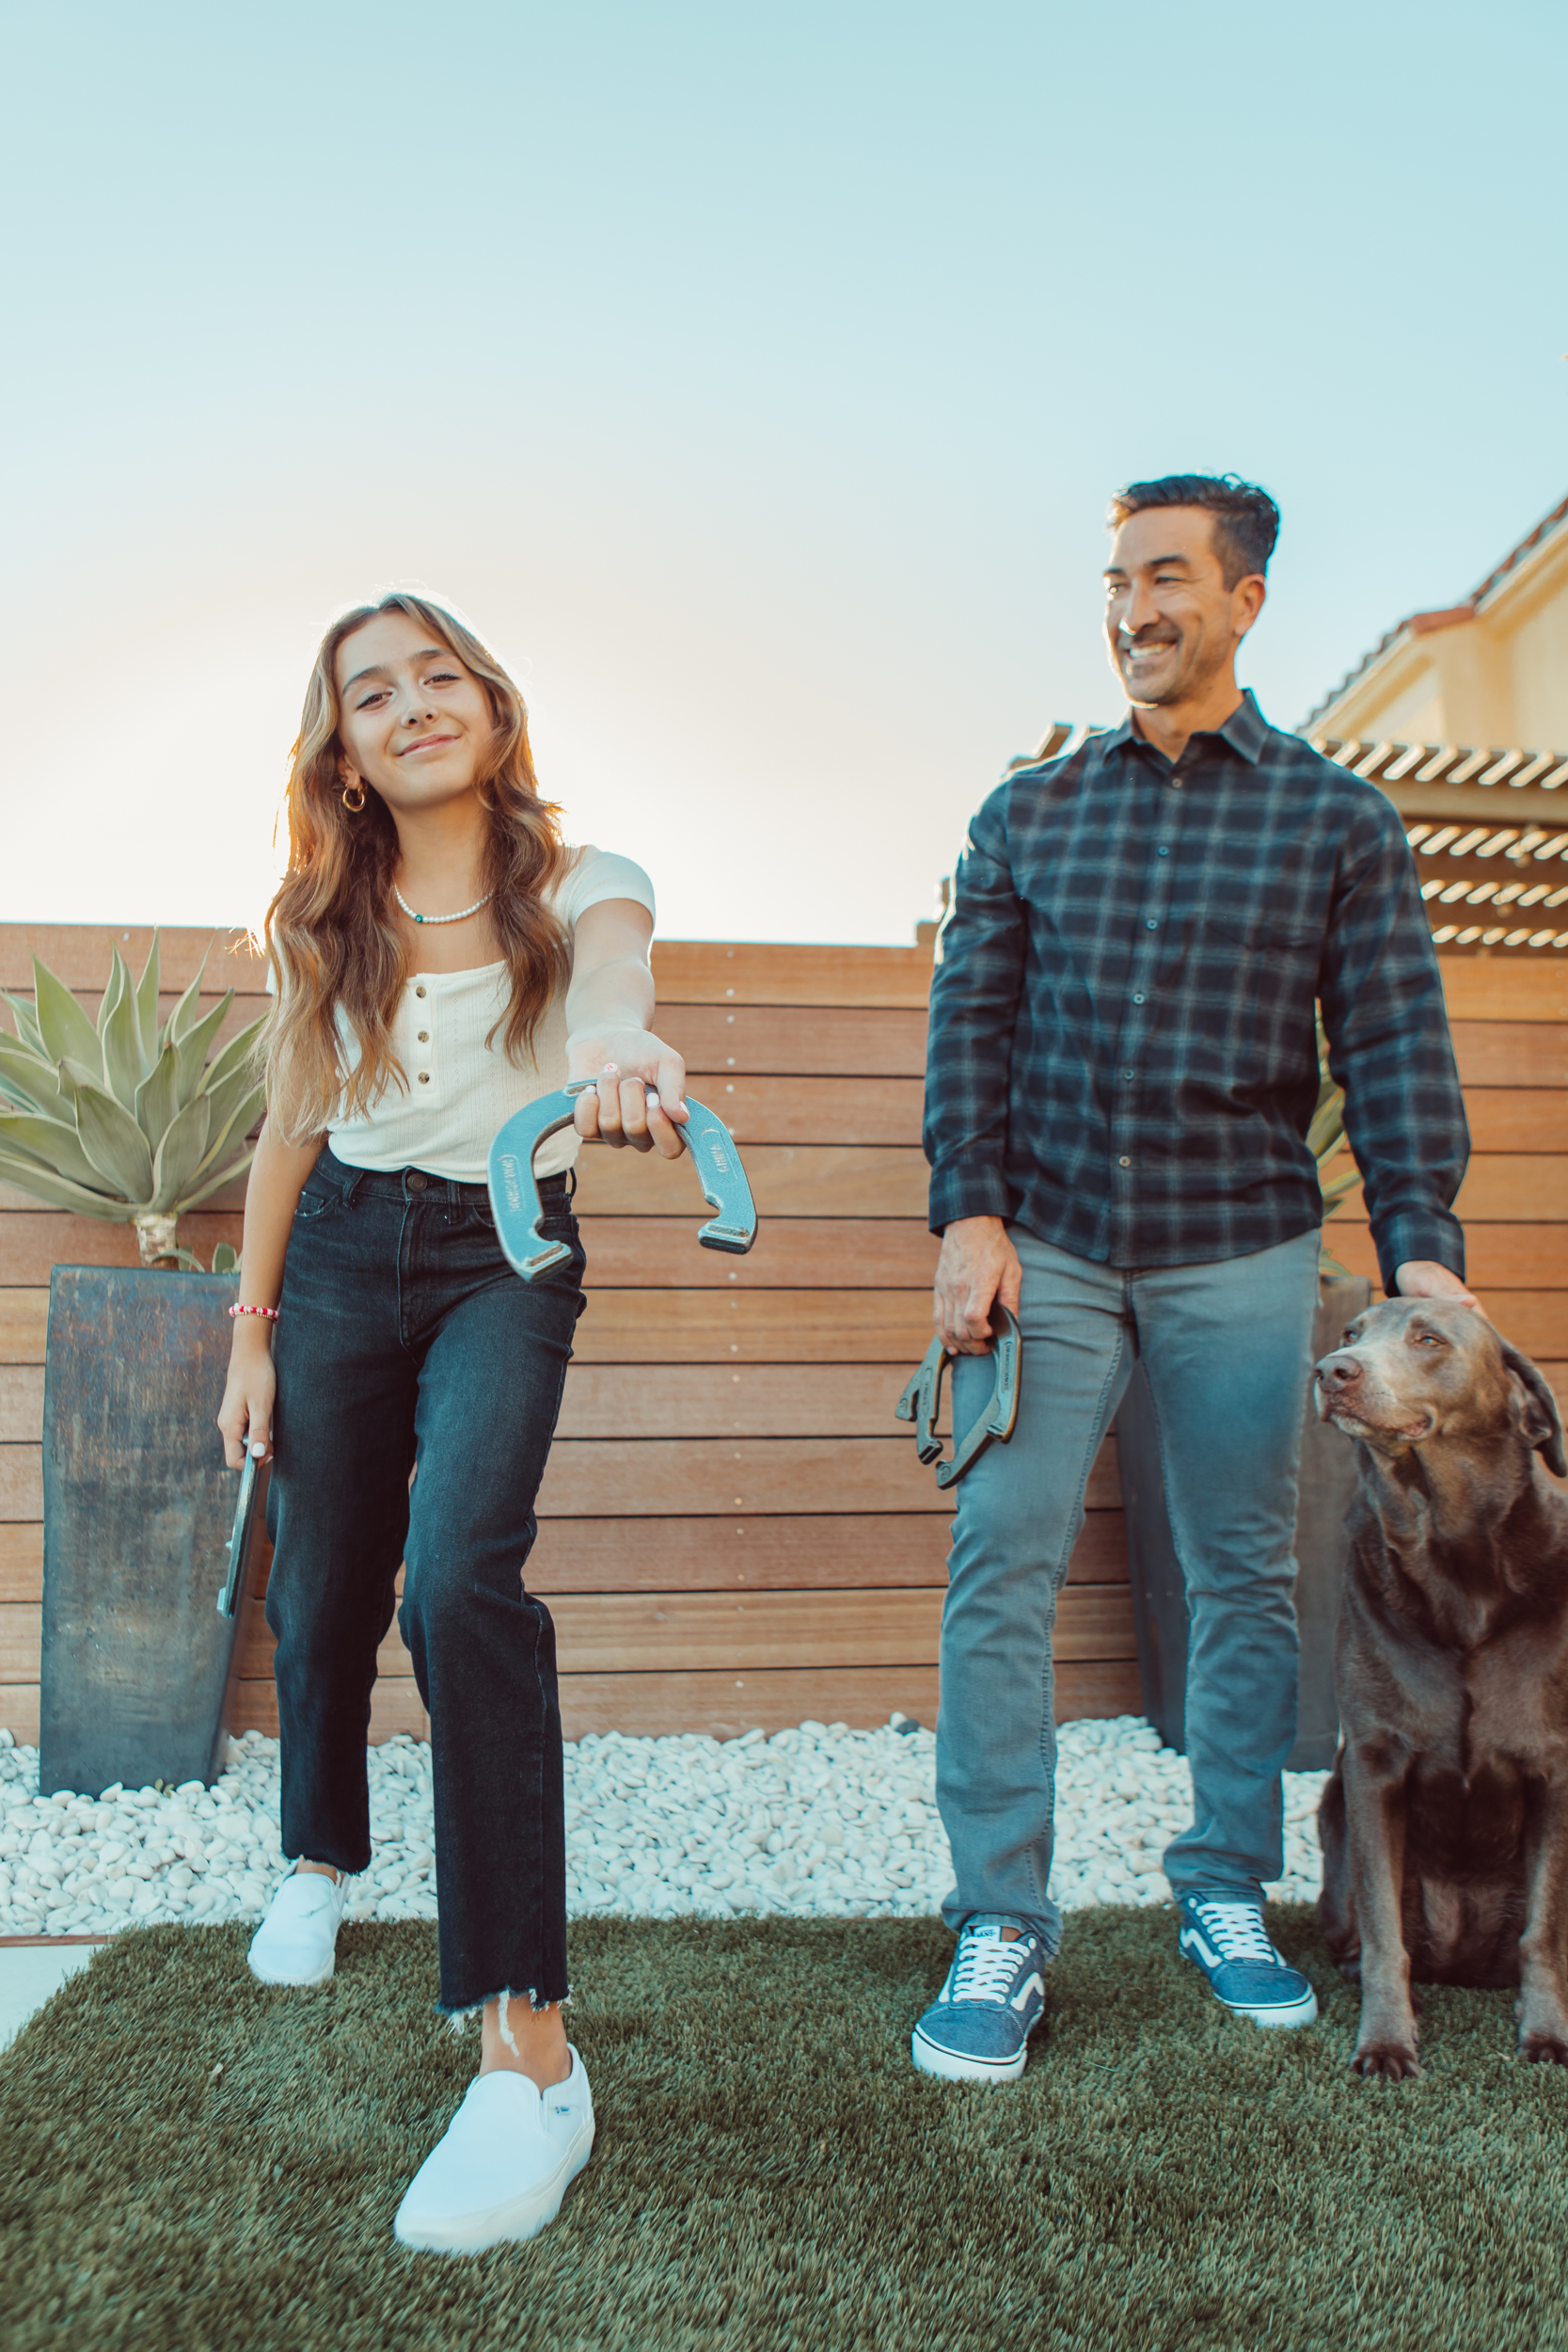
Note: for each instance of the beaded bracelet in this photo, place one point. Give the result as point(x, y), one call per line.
point(270, 1312)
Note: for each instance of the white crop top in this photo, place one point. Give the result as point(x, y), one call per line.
point(459, 1089)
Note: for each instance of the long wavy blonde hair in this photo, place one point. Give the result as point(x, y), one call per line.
point(329, 936)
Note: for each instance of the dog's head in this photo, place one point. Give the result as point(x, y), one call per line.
point(1418, 1368)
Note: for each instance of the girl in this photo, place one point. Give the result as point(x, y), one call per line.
point(438, 959)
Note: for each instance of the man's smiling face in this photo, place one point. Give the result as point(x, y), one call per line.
point(1171, 622)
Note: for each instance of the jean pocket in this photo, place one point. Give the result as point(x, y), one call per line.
point(314, 1203)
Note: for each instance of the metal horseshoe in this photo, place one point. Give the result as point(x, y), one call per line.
point(514, 1190)
point(922, 1402)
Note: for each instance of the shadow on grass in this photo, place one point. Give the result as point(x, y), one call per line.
point(769, 2171)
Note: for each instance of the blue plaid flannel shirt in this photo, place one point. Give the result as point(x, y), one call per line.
point(1122, 1052)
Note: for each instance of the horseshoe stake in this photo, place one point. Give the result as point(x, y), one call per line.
point(514, 1190)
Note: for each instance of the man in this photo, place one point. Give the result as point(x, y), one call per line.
point(1122, 1070)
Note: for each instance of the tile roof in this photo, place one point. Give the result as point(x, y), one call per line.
point(1446, 616)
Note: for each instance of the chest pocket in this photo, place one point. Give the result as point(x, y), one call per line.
point(1266, 935)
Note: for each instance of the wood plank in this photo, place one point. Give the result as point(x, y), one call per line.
point(395, 1707)
point(1536, 1321)
point(21, 1560)
point(24, 1320)
point(624, 1633)
point(704, 972)
point(78, 954)
point(721, 1705)
point(1508, 1053)
point(1508, 1257)
point(786, 1179)
point(1488, 988)
point(830, 1550)
point(626, 1327)
point(1502, 1118)
point(1500, 1187)
point(591, 1477)
point(712, 1401)
point(799, 1253)
point(21, 1640)
point(21, 1482)
point(21, 1403)
point(795, 1041)
point(818, 1110)
point(19, 1712)
point(31, 1244)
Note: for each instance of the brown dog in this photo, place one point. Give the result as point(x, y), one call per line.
point(1445, 1824)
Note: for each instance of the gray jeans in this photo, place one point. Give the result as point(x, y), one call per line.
point(1226, 1349)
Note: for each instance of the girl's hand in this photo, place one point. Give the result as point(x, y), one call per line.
point(640, 1095)
point(244, 1415)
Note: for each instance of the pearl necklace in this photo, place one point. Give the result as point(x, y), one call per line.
point(461, 914)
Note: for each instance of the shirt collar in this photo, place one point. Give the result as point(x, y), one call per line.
point(1246, 731)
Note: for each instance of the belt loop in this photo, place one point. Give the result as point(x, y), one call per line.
point(455, 1200)
point(352, 1187)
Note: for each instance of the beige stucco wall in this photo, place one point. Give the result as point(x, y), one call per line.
point(1501, 678)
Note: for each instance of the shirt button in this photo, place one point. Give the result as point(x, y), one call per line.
point(1129, 1073)
point(1152, 925)
point(1162, 851)
point(1138, 999)
point(419, 992)
point(424, 1077)
point(424, 1036)
point(1124, 1163)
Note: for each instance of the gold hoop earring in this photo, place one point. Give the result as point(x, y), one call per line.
point(355, 806)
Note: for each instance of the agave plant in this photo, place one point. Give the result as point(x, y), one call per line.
point(123, 1120)
point(1325, 1141)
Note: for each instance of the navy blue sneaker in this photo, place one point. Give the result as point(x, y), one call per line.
point(977, 2028)
point(1224, 1936)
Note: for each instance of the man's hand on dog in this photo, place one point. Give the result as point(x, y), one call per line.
point(977, 1266)
point(1423, 1278)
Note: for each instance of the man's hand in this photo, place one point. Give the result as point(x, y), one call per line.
point(977, 1266)
point(1423, 1278)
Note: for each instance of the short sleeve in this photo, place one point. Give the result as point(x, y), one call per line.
point(598, 875)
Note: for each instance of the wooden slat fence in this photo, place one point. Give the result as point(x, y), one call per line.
point(734, 1531)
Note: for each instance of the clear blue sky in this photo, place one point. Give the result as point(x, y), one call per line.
point(754, 378)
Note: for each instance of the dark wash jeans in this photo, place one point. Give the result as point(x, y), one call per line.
point(405, 1340)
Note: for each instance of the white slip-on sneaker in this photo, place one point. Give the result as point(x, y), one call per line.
point(505, 2162)
point(297, 1941)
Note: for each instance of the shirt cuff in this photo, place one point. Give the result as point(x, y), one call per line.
point(1412, 1235)
point(968, 1188)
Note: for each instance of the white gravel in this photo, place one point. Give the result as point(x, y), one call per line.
point(818, 1821)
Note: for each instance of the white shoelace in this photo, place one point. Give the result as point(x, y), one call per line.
point(1236, 1931)
point(984, 1971)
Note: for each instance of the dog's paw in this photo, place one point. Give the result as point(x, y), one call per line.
point(1543, 2049)
point(1389, 2060)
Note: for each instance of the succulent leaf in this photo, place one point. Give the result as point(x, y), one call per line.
point(221, 1170)
point(52, 1143)
point(239, 1054)
point(63, 1027)
point(25, 1017)
point(120, 981)
point(223, 1143)
point(185, 1013)
point(45, 1185)
point(226, 1259)
point(31, 1078)
point(180, 1154)
point(115, 1144)
point(147, 1005)
point(157, 1098)
point(123, 1066)
point(191, 1047)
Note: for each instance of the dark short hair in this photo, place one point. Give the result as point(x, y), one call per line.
point(1246, 520)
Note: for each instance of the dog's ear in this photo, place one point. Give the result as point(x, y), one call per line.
point(1541, 1422)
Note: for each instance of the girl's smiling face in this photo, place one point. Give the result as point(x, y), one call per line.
point(414, 723)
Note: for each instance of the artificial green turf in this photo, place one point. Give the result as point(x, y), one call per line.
point(769, 2171)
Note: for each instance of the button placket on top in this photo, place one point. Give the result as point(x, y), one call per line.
point(424, 1071)
point(1132, 1039)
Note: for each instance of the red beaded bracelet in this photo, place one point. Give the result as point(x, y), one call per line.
point(270, 1312)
